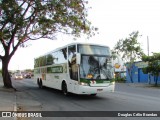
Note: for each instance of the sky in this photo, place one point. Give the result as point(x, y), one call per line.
point(115, 19)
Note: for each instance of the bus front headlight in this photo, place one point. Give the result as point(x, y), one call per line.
point(84, 84)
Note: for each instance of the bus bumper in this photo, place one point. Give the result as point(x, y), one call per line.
point(95, 89)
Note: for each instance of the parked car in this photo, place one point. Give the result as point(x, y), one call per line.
point(18, 76)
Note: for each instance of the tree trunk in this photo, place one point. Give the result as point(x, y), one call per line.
point(149, 78)
point(5, 74)
point(156, 80)
point(130, 74)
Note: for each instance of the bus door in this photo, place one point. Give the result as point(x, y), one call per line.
point(73, 68)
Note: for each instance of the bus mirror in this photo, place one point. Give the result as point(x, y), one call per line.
point(78, 58)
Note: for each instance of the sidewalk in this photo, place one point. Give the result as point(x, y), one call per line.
point(7, 98)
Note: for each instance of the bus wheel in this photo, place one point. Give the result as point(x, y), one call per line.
point(40, 84)
point(64, 89)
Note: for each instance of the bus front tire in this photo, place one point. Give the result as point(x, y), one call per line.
point(64, 89)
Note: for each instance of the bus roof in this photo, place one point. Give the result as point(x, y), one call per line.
point(74, 43)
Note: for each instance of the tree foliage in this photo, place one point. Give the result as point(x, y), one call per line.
point(23, 20)
point(130, 50)
point(113, 55)
point(153, 67)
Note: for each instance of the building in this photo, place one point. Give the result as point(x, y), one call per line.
point(119, 68)
point(137, 74)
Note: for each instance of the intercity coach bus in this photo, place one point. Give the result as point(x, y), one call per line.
point(76, 68)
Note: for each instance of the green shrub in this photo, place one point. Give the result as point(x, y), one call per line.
point(120, 79)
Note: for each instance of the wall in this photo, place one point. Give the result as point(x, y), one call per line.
point(137, 74)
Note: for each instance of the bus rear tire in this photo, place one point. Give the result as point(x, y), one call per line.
point(40, 84)
point(64, 89)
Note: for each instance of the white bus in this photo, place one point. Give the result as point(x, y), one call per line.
point(76, 68)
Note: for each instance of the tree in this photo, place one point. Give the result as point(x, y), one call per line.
point(130, 50)
point(24, 20)
point(153, 67)
point(113, 55)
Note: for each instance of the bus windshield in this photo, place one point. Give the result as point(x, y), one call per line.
point(96, 67)
point(93, 49)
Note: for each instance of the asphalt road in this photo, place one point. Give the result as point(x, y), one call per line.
point(125, 98)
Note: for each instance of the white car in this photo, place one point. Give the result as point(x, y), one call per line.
point(18, 77)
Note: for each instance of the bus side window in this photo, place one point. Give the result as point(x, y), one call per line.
point(62, 55)
point(49, 58)
point(64, 52)
point(55, 57)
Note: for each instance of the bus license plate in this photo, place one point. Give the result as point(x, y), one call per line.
point(99, 90)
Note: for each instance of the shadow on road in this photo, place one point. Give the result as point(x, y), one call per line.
point(73, 96)
point(27, 85)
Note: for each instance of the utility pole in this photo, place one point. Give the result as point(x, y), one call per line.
point(148, 45)
point(148, 55)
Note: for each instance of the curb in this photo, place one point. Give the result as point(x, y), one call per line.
point(136, 84)
point(143, 85)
